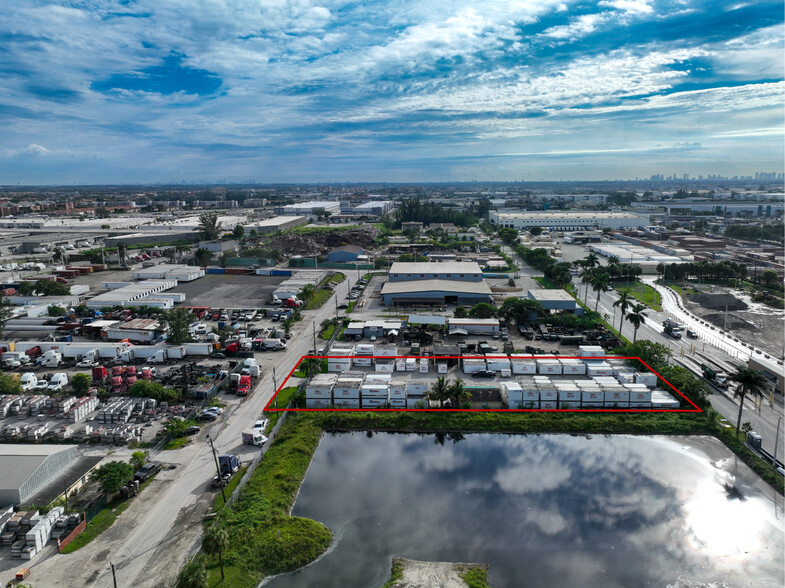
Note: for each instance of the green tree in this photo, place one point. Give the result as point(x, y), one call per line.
point(519, 310)
point(380, 262)
point(113, 476)
point(483, 310)
point(150, 389)
point(138, 459)
point(508, 236)
point(209, 225)
point(223, 334)
point(287, 325)
point(9, 386)
point(81, 384)
point(439, 391)
point(534, 231)
point(193, 575)
point(637, 317)
point(307, 293)
point(25, 288)
point(238, 232)
point(202, 257)
point(599, 283)
point(175, 323)
point(311, 366)
point(215, 542)
point(58, 255)
point(748, 382)
point(457, 393)
point(625, 301)
point(102, 212)
point(460, 312)
point(591, 261)
point(51, 288)
point(770, 279)
point(54, 310)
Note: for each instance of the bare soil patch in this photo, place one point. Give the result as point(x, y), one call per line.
point(718, 301)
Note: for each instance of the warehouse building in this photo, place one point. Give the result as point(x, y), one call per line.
point(569, 220)
point(309, 208)
point(136, 330)
point(436, 291)
point(134, 294)
point(556, 300)
point(377, 208)
point(29, 468)
point(471, 326)
point(344, 253)
point(169, 271)
point(465, 271)
point(277, 224)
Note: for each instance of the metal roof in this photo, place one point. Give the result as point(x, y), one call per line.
point(18, 462)
point(550, 295)
point(444, 267)
point(458, 286)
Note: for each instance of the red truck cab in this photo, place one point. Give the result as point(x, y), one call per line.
point(244, 386)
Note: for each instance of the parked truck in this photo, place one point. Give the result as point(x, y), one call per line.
point(244, 385)
point(50, 359)
point(14, 359)
point(274, 344)
point(58, 382)
point(28, 381)
point(254, 437)
point(229, 464)
point(716, 377)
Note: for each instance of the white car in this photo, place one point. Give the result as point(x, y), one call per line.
point(215, 409)
point(86, 363)
point(41, 386)
point(261, 424)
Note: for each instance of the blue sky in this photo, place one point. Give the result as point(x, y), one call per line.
point(100, 91)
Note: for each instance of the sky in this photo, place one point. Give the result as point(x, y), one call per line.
point(125, 91)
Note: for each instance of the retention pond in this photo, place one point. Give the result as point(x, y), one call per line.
point(543, 510)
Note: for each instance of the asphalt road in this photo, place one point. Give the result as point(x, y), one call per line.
point(154, 541)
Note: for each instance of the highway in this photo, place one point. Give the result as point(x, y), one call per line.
point(159, 531)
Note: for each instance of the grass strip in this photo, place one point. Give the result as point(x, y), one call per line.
point(283, 398)
point(476, 577)
point(646, 294)
point(218, 502)
point(264, 538)
point(177, 443)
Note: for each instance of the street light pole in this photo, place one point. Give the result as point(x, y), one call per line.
point(275, 387)
point(776, 442)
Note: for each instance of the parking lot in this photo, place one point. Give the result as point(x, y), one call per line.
point(229, 291)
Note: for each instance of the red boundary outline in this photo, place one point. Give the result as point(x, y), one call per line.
point(694, 408)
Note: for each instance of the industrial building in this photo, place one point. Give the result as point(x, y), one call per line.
point(465, 271)
point(309, 208)
point(169, 271)
point(436, 291)
point(29, 468)
point(136, 294)
point(277, 224)
point(569, 220)
point(472, 326)
point(555, 300)
point(137, 330)
point(344, 253)
point(374, 208)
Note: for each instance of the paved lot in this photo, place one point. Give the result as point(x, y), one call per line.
point(229, 291)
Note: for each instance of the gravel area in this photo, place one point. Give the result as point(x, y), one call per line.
point(427, 574)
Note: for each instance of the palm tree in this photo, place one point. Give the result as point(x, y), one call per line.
point(202, 257)
point(586, 278)
point(614, 260)
point(193, 575)
point(637, 317)
point(209, 225)
point(749, 382)
point(599, 283)
point(215, 542)
point(624, 302)
point(440, 390)
point(311, 366)
point(458, 393)
point(591, 261)
point(308, 292)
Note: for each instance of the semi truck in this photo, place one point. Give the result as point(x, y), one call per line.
point(672, 329)
point(244, 386)
point(715, 377)
point(50, 359)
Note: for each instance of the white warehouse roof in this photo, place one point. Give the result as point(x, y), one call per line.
point(445, 267)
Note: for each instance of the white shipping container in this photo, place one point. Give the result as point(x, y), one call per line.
point(378, 378)
point(573, 367)
point(473, 365)
point(640, 404)
point(441, 368)
point(398, 403)
point(591, 351)
point(569, 404)
point(347, 402)
point(548, 405)
point(415, 388)
point(373, 402)
point(530, 404)
point(592, 405)
point(317, 403)
point(338, 365)
point(374, 391)
point(385, 368)
point(640, 396)
point(648, 379)
point(588, 396)
point(400, 365)
point(599, 370)
point(497, 362)
point(531, 395)
point(549, 366)
point(548, 394)
point(662, 399)
point(411, 364)
point(319, 393)
point(569, 396)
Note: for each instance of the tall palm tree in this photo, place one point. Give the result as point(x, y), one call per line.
point(624, 302)
point(637, 317)
point(586, 278)
point(439, 391)
point(599, 283)
point(614, 260)
point(215, 542)
point(591, 260)
point(749, 382)
point(458, 393)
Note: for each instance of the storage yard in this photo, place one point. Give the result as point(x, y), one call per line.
point(375, 377)
point(235, 291)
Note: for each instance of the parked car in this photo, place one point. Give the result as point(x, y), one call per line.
point(41, 386)
point(217, 355)
point(692, 334)
point(148, 470)
point(86, 363)
point(343, 306)
point(215, 409)
point(192, 430)
point(207, 416)
point(261, 424)
point(484, 374)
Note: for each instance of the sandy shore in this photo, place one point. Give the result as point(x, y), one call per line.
point(428, 574)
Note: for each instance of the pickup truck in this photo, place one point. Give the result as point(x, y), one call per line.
point(147, 471)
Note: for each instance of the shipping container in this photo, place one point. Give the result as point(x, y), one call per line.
point(648, 379)
point(318, 403)
point(347, 402)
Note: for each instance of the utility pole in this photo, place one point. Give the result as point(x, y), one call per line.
point(313, 324)
point(275, 387)
point(776, 442)
point(217, 467)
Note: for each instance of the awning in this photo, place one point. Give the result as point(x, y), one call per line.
point(458, 332)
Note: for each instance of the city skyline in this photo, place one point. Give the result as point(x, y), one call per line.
point(330, 92)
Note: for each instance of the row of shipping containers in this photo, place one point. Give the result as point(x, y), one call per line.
point(355, 389)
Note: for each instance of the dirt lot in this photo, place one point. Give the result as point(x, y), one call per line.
point(757, 324)
point(225, 290)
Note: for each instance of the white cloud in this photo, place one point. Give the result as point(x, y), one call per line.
point(580, 26)
point(630, 6)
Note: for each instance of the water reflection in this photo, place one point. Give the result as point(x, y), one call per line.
point(542, 510)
